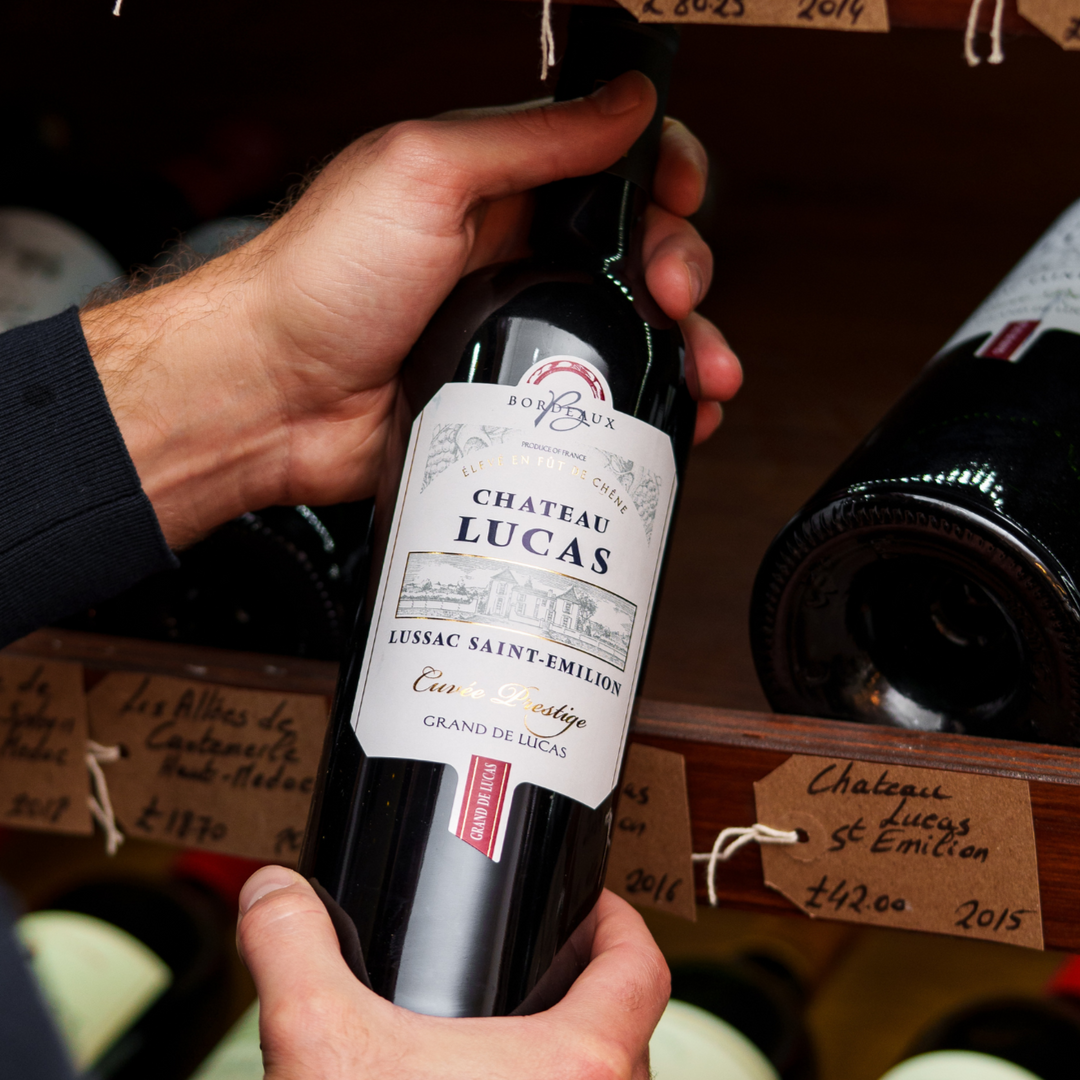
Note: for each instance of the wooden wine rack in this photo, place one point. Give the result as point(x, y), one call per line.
point(725, 750)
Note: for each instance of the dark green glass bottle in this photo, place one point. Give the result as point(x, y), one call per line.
point(931, 583)
point(447, 902)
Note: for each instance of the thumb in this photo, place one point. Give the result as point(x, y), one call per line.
point(493, 154)
point(286, 939)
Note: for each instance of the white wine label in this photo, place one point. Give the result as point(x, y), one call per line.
point(1041, 293)
point(46, 265)
point(516, 591)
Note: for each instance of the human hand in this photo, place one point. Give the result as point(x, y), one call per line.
point(318, 1022)
point(269, 375)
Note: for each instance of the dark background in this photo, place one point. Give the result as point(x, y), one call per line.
point(869, 191)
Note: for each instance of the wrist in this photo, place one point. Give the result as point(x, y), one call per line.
point(184, 375)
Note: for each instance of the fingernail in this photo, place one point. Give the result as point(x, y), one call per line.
point(620, 95)
point(263, 882)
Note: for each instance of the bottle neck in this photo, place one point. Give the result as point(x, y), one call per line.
point(593, 221)
point(603, 44)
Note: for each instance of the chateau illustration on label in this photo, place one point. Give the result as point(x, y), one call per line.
point(539, 603)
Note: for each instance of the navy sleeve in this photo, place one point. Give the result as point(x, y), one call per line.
point(31, 1046)
point(75, 524)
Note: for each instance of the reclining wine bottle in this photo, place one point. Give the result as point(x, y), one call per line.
point(931, 583)
point(1014, 1038)
point(315, 558)
point(461, 828)
point(758, 997)
point(135, 972)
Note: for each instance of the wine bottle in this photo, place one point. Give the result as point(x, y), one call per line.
point(931, 581)
point(239, 1055)
point(737, 1020)
point(132, 207)
point(689, 1043)
point(64, 225)
point(958, 1065)
point(286, 580)
point(461, 825)
point(128, 211)
point(1019, 1039)
point(46, 266)
point(759, 997)
point(133, 973)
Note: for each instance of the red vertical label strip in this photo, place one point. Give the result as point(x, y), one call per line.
point(481, 809)
point(1003, 345)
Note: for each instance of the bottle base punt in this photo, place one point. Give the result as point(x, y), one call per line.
point(895, 608)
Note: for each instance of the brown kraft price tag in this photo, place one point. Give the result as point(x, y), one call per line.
point(858, 15)
point(43, 779)
point(920, 849)
point(650, 862)
point(210, 766)
point(1057, 19)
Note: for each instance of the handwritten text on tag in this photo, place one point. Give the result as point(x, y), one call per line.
point(1057, 19)
point(43, 779)
point(650, 860)
point(210, 766)
point(922, 849)
point(858, 15)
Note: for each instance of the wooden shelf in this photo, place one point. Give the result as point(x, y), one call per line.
point(252, 671)
point(726, 751)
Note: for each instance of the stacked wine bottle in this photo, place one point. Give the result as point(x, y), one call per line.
point(931, 583)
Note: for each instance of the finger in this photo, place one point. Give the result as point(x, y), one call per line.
point(713, 371)
point(682, 170)
point(492, 110)
point(710, 414)
point(501, 154)
point(502, 232)
point(288, 943)
point(625, 987)
point(678, 263)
